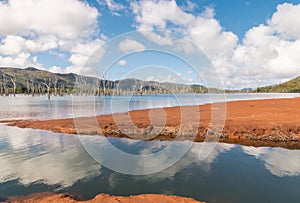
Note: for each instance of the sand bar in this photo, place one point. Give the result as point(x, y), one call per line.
point(270, 122)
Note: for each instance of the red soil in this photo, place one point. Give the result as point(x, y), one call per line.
point(103, 198)
point(271, 122)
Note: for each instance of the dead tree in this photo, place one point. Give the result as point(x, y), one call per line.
point(28, 87)
point(31, 84)
point(61, 89)
point(48, 86)
point(13, 80)
point(1, 86)
point(141, 88)
point(32, 87)
point(55, 86)
point(4, 85)
point(97, 87)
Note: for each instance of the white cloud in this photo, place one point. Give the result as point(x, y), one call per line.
point(266, 55)
point(20, 60)
point(112, 6)
point(286, 20)
point(65, 19)
point(130, 45)
point(122, 62)
point(189, 6)
point(33, 26)
point(208, 12)
point(205, 31)
point(55, 69)
point(14, 45)
point(269, 52)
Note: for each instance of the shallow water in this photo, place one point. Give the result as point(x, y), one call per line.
point(35, 161)
point(27, 107)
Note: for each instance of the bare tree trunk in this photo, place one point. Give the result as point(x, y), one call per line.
point(141, 88)
point(28, 87)
point(4, 81)
point(32, 88)
point(1, 85)
point(13, 80)
point(48, 86)
point(55, 86)
point(97, 87)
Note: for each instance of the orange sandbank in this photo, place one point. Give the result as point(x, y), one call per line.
point(270, 122)
point(103, 198)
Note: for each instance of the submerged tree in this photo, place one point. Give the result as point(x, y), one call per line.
point(13, 80)
point(48, 86)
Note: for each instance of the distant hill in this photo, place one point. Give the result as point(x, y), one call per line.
point(33, 80)
point(30, 74)
point(291, 86)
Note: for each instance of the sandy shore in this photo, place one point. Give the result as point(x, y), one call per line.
point(103, 198)
point(271, 122)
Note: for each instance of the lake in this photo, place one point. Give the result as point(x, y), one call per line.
point(36, 161)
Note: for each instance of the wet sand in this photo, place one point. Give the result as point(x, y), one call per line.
point(47, 197)
point(270, 122)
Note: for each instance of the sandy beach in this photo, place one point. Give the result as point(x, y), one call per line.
point(270, 122)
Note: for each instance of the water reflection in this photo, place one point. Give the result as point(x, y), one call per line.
point(280, 162)
point(31, 156)
point(36, 161)
point(39, 156)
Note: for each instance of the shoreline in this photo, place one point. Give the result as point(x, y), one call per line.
point(268, 122)
point(46, 197)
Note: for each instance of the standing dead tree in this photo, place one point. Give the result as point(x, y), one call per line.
point(4, 85)
point(47, 83)
point(55, 86)
point(13, 80)
point(1, 86)
point(31, 84)
point(97, 87)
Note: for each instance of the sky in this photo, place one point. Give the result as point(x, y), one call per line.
point(249, 43)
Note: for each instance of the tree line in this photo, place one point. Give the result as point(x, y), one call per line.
point(51, 85)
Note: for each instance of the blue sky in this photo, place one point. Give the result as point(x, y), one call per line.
point(237, 16)
point(249, 43)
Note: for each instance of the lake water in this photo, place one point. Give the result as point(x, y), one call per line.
point(36, 161)
point(24, 107)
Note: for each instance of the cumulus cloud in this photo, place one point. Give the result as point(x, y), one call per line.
point(20, 60)
point(13, 45)
point(65, 19)
point(266, 54)
point(130, 45)
point(32, 26)
point(204, 30)
point(286, 20)
point(269, 51)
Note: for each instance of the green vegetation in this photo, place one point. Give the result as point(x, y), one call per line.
point(291, 86)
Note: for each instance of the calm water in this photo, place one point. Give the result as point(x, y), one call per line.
point(24, 107)
point(36, 161)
